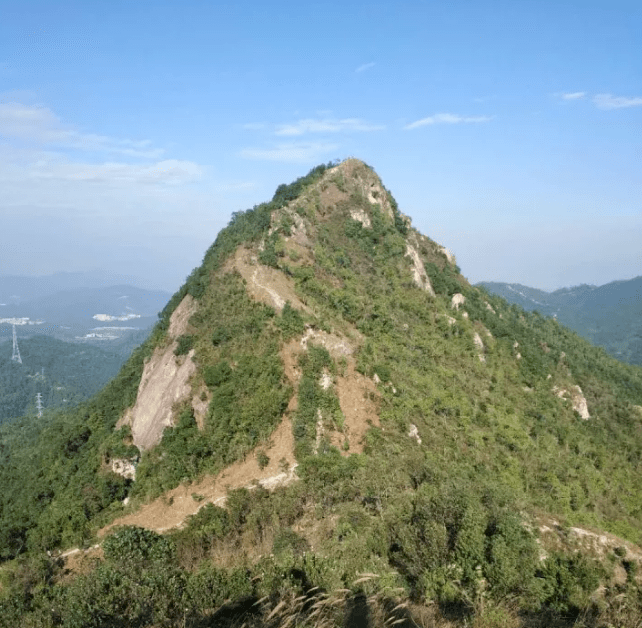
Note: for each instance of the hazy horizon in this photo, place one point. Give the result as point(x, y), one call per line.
point(508, 132)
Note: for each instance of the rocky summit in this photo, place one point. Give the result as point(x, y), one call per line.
point(329, 426)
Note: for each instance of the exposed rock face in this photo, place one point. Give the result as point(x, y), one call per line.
point(266, 285)
point(457, 300)
point(449, 256)
point(124, 467)
point(165, 381)
point(361, 216)
point(366, 181)
point(479, 344)
point(336, 346)
point(200, 403)
point(577, 399)
point(326, 381)
point(418, 271)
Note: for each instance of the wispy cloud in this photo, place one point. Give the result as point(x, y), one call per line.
point(573, 96)
point(365, 66)
point(33, 123)
point(292, 152)
point(166, 172)
point(446, 118)
point(608, 101)
point(326, 125)
point(39, 125)
point(40, 147)
point(91, 199)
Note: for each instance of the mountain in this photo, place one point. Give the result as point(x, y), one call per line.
point(329, 426)
point(609, 316)
point(19, 288)
point(101, 315)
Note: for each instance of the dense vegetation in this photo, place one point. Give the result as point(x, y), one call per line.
point(609, 316)
point(63, 373)
point(406, 532)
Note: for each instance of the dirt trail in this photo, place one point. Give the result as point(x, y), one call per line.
point(264, 284)
point(357, 399)
point(171, 510)
point(357, 393)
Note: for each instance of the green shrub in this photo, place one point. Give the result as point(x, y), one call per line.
point(132, 546)
point(221, 335)
point(184, 345)
point(568, 581)
point(262, 459)
point(217, 374)
point(208, 588)
point(287, 540)
point(290, 322)
point(444, 280)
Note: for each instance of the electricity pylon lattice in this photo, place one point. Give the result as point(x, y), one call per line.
point(39, 404)
point(16, 352)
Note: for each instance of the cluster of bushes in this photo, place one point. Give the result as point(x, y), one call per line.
point(452, 545)
point(56, 489)
point(314, 403)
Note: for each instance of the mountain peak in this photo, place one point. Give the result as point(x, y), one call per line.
point(414, 428)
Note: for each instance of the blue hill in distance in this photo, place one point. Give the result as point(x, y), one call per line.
point(610, 316)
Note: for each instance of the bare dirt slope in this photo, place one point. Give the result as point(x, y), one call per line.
point(357, 394)
point(171, 510)
point(264, 284)
point(357, 398)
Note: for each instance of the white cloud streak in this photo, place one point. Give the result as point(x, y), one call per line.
point(573, 96)
point(37, 147)
point(446, 118)
point(365, 66)
point(326, 125)
point(40, 125)
point(608, 101)
point(290, 152)
point(165, 172)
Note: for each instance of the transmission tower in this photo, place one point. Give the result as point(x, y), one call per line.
point(39, 404)
point(16, 352)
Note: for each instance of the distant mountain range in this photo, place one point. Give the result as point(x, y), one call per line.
point(609, 316)
point(79, 307)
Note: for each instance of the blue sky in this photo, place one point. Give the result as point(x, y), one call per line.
point(510, 132)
